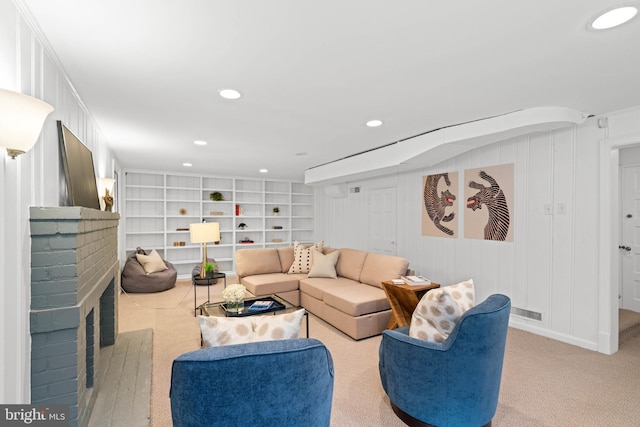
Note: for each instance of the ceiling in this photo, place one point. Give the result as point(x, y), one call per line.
point(312, 73)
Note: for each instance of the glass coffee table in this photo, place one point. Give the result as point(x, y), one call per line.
point(280, 306)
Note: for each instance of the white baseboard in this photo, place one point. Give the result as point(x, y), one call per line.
point(518, 323)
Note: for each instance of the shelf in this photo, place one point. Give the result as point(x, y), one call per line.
point(151, 203)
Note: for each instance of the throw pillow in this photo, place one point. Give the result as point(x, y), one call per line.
point(438, 311)
point(217, 331)
point(324, 265)
point(151, 263)
point(280, 327)
point(303, 257)
point(463, 293)
point(435, 316)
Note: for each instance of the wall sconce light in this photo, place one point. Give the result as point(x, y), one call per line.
point(21, 120)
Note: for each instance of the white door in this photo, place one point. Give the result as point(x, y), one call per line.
point(629, 245)
point(382, 220)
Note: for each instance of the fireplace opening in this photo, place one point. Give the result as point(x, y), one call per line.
point(90, 334)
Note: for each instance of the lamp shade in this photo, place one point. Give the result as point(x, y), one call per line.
point(21, 120)
point(205, 232)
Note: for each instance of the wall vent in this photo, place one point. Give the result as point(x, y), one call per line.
point(354, 189)
point(526, 313)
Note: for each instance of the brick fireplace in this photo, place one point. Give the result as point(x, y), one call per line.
point(75, 277)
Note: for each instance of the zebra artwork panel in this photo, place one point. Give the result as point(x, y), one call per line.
point(489, 200)
point(439, 207)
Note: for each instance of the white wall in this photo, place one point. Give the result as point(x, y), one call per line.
point(555, 264)
point(33, 179)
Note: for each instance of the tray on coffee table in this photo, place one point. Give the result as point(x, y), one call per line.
point(280, 307)
point(248, 311)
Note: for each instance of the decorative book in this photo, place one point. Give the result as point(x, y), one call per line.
point(250, 310)
point(416, 280)
point(260, 305)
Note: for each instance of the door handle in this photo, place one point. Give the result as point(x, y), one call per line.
point(626, 248)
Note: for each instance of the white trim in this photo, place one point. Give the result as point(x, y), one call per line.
point(608, 323)
point(528, 326)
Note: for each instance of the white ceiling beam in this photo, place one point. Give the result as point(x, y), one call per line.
point(434, 147)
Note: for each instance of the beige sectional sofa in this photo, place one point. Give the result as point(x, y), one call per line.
point(353, 302)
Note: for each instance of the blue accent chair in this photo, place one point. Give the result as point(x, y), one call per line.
point(453, 383)
point(270, 383)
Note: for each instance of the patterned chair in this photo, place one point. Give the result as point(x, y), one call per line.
point(268, 383)
point(453, 383)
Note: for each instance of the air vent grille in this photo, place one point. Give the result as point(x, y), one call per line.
point(526, 313)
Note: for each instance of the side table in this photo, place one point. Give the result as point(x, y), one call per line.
point(210, 278)
point(403, 300)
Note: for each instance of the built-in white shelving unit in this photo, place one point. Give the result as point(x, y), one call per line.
point(158, 207)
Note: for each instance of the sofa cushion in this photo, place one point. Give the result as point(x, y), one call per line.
point(273, 283)
point(151, 263)
point(324, 265)
point(439, 309)
point(286, 258)
point(350, 263)
point(303, 257)
point(378, 267)
point(315, 287)
point(356, 299)
point(257, 261)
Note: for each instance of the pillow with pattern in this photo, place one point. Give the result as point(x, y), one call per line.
point(280, 327)
point(439, 309)
point(303, 257)
point(218, 331)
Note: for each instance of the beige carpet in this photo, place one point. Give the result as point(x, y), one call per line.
point(545, 382)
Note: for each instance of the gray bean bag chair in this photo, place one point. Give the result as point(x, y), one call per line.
point(136, 280)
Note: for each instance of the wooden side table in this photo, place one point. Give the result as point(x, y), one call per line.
point(403, 300)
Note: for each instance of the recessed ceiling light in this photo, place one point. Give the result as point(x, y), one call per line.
point(374, 123)
point(264, 170)
point(200, 142)
point(613, 18)
point(229, 93)
point(188, 165)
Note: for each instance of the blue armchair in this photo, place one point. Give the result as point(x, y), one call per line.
point(269, 383)
point(453, 383)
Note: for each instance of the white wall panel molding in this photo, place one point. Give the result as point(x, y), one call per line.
point(553, 265)
point(29, 65)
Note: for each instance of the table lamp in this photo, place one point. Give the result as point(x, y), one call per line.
point(203, 233)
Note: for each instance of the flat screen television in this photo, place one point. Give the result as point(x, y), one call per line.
point(80, 177)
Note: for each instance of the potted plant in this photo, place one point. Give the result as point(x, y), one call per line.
point(216, 196)
point(276, 210)
point(209, 268)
